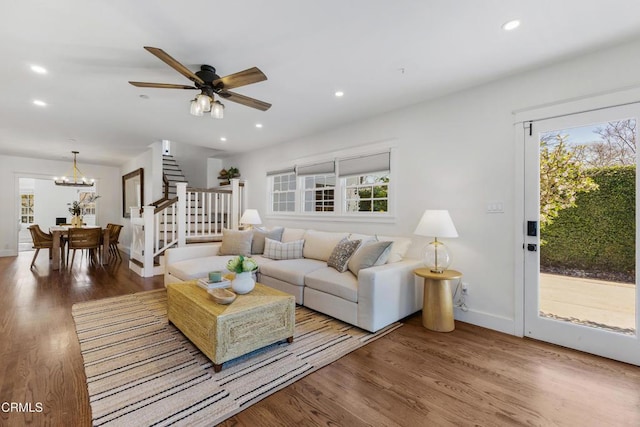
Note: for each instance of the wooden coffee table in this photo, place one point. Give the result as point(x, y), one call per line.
point(223, 332)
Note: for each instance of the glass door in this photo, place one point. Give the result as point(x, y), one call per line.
point(581, 232)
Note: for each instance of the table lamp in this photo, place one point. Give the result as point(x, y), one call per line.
point(250, 217)
point(436, 223)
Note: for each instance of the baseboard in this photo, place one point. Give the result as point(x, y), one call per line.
point(8, 252)
point(486, 320)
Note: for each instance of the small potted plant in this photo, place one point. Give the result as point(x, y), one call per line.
point(243, 267)
point(76, 211)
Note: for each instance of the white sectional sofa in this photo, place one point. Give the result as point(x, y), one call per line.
point(371, 299)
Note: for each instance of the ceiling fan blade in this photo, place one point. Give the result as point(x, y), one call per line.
point(241, 78)
point(162, 85)
point(170, 61)
point(245, 100)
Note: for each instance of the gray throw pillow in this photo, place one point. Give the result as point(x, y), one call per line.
point(259, 234)
point(236, 242)
point(341, 254)
point(369, 255)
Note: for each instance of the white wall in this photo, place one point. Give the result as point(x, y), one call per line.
point(194, 162)
point(458, 153)
point(13, 168)
point(151, 163)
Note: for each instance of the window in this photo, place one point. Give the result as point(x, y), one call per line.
point(283, 193)
point(26, 209)
point(367, 193)
point(319, 193)
point(358, 185)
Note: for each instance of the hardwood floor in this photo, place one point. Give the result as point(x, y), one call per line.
point(411, 377)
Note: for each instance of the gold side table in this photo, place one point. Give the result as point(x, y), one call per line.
point(437, 308)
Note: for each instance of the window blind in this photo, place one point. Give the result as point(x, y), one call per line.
point(316, 169)
point(365, 164)
point(281, 171)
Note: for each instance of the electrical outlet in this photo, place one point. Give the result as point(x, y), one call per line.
point(465, 288)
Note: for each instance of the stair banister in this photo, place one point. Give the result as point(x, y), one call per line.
point(181, 190)
point(235, 203)
point(148, 215)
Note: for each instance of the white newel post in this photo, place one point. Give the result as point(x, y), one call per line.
point(181, 191)
point(245, 197)
point(235, 203)
point(149, 224)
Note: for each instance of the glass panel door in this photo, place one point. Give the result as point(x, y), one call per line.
point(581, 233)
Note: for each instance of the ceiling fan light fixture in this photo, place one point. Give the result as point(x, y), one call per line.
point(195, 108)
point(217, 110)
point(204, 101)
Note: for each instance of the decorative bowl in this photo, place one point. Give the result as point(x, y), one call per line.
point(222, 296)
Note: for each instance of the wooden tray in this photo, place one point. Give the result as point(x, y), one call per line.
point(222, 296)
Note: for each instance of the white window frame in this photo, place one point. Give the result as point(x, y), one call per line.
point(345, 187)
point(273, 192)
point(339, 213)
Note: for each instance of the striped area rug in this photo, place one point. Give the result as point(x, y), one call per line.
point(142, 371)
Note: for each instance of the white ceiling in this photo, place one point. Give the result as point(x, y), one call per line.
point(383, 54)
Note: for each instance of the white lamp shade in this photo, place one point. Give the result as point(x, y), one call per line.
point(436, 223)
point(250, 216)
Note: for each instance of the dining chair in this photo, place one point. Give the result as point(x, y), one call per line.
point(114, 236)
point(84, 238)
point(41, 240)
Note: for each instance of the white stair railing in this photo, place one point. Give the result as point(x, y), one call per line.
point(193, 214)
point(204, 212)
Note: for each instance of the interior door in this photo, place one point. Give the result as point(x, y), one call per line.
point(580, 232)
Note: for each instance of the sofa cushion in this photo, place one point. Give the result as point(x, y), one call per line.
point(292, 234)
point(196, 268)
point(280, 251)
point(236, 242)
point(399, 248)
point(291, 271)
point(341, 254)
point(368, 255)
point(319, 244)
point(259, 234)
point(328, 280)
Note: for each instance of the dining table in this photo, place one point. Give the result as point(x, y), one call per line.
point(60, 231)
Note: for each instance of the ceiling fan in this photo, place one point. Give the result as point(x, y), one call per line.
point(209, 83)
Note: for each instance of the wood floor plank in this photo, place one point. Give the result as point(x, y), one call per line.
point(410, 377)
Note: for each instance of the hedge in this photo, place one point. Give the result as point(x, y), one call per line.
point(598, 235)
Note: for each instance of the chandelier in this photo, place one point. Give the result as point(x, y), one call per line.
point(204, 103)
point(77, 179)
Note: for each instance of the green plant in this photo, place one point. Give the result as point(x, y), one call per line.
point(241, 264)
point(75, 209)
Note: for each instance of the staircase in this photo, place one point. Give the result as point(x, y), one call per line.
point(172, 174)
point(183, 215)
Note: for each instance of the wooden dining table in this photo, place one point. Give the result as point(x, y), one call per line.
point(57, 254)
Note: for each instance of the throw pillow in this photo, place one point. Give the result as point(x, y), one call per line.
point(236, 242)
point(369, 255)
point(341, 254)
point(398, 249)
point(259, 234)
point(278, 250)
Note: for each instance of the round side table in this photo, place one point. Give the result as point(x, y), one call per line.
point(437, 308)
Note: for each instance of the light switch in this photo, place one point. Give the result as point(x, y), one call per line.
point(495, 207)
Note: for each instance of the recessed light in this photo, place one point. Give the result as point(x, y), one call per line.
point(38, 69)
point(511, 25)
point(339, 94)
point(39, 103)
point(223, 139)
point(258, 125)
